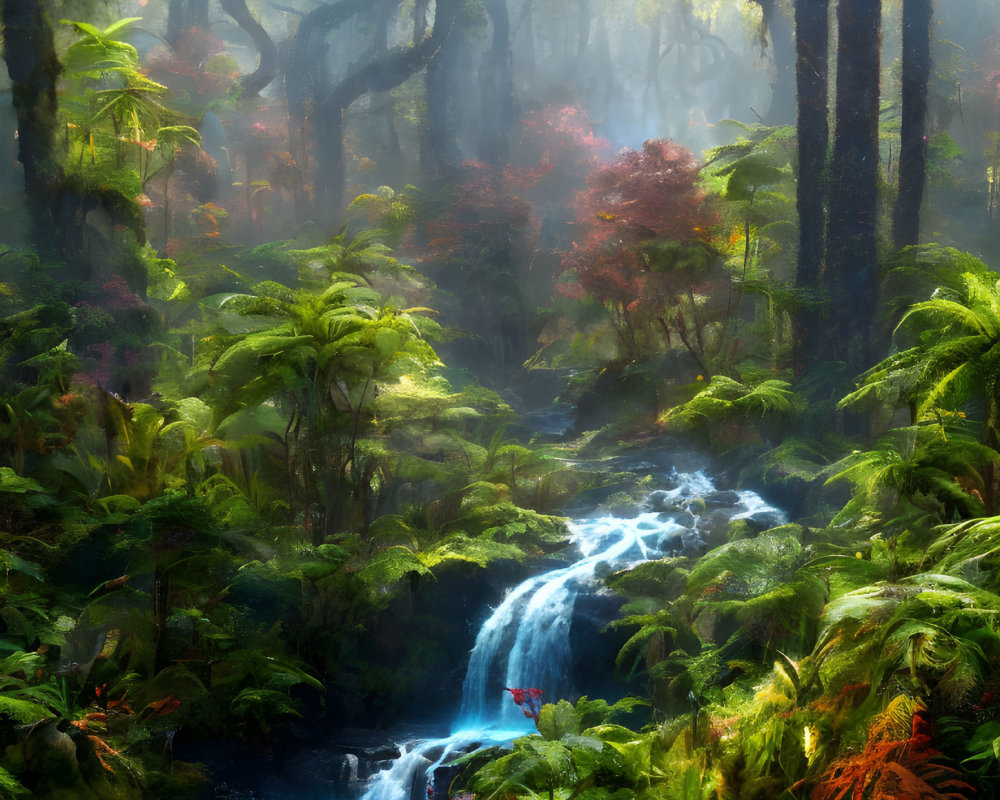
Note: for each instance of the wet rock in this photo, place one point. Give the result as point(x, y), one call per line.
point(684, 519)
point(226, 792)
point(692, 543)
point(661, 500)
point(766, 520)
point(714, 528)
point(727, 499)
point(671, 545)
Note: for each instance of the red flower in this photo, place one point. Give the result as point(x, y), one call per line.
point(530, 701)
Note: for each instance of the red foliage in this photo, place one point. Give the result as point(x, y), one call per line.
point(489, 208)
point(561, 140)
point(557, 151)
point(647, 195)
point(894, 766)
point(186, 68)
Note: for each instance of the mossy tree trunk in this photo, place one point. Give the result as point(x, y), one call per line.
point(73, 222)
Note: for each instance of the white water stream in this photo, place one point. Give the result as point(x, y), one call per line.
point(526, 640)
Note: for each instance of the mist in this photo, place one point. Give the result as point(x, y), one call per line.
point(455, 399)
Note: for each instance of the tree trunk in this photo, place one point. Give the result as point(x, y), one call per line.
point(812, 48)
point(498, 88)
point(29, 52)
point(267, 67)
point(72, 222)
point(380, 74)
point(913, 140)
point(851, 261)
point(783, 51)
point(439, 147)
point(304, 68)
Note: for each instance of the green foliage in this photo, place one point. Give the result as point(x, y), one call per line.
point(114, 105)
point(725, 398)
point(932, 631)
point(955, 361)
point(728, 411)
point(933, 468)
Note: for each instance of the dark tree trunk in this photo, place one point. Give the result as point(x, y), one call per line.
point(498, 88)
point(913, 139)
point(812, 49)
point(29, 52)
point(305, 79)
point(851, 244)
point(267, 66)
point(783, 51)
point(380, 74)
point(439, 151)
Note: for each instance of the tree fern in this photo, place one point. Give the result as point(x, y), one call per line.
point(933, 467)
point(957, 360)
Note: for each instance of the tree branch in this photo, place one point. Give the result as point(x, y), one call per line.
point(267, 67)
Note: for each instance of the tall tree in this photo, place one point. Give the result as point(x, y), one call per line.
point(382, 71)
point(182, 15)
point(778, 28)
point(498, 87)
point(33, 67)
point(812, 49)
point(913, 145)
point(851, 261)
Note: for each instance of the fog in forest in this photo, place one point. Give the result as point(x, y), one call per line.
point(463, 399)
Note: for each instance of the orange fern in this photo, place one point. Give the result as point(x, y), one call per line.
point(898, 762)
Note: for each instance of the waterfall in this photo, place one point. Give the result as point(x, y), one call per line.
point(525, 642)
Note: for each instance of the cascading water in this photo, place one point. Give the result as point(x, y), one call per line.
point(526, 640)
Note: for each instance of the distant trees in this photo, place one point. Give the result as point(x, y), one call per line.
point(778, 28)
point(379, 69)
point(267, 68)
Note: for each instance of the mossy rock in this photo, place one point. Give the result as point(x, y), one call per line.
point(64, 765)
point(505, 522)
point(665, 579)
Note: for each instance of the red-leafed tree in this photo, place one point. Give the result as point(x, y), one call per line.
point(480, 248)
point(643, 248)
point(496, 245)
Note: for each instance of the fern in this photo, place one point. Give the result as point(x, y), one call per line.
point(928, 629)
point(23, 711)
point(390, 566)
point(11, 786)
point(897, 763)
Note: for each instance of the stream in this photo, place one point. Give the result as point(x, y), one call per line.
point(526, 641)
